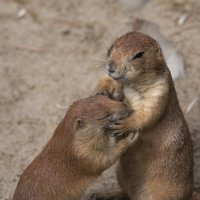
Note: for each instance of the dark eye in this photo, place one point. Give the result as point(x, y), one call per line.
point(138, 55)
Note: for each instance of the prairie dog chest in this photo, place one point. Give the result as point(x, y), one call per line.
point(132, 97)
point(145, 98)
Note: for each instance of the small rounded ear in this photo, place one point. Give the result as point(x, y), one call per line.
point(158, 51)
point(79, 124)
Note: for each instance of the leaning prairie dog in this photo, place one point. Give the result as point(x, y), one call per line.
point(159, 166)
point(78, 152)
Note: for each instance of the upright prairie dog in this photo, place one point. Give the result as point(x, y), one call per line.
point(159, 166)
point(80, 149)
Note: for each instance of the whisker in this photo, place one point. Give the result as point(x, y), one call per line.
point(97, 63)
point(95, 67)
point(98, 58)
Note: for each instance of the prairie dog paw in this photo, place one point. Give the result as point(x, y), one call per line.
point(133, 137)
point(111, 88)
point(104, 93)
point(114, 94)
point(119, 115)
point(117, 94)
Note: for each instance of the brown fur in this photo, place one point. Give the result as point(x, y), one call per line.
point(80, 149)
point(159, 167)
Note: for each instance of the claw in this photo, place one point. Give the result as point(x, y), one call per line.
point(116, 133)
point(115, 127)
point(119, 136)
point(104, 93)
point(113, 117)
point(118, 96)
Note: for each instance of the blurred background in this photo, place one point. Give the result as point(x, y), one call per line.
point(51, 55)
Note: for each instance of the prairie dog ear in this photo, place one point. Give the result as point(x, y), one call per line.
point(79, 124)
point(158, 51)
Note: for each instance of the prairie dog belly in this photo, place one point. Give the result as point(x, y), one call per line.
point(131, 170)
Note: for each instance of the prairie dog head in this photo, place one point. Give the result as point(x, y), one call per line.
point(89, 119)
point(133, 56)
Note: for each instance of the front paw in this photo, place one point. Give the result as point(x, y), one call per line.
point(119, 127)
point(117, 94)
point(112, 93)
point(122, 127)
point(104, 93)
point(111, 88)
point(132, 137)
point(128, 138)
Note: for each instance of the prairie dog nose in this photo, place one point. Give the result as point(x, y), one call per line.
point(111, 67)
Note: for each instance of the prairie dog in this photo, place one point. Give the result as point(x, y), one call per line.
point(78, 152)
point(160, 165)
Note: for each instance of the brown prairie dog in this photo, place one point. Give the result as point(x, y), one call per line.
point(159, 166)
point(78, 152)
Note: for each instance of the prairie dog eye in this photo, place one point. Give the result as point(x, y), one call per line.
point(139, 54)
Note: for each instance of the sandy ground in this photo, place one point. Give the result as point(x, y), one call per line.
point(49, 58)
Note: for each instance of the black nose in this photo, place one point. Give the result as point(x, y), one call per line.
point(111, 70)
point(111, 67)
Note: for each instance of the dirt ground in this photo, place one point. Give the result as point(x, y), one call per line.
point(49, 58)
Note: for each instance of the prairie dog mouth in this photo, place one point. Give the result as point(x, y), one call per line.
point(116, 76)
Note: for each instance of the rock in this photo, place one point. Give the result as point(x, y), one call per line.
point(21, 13)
